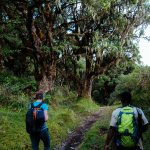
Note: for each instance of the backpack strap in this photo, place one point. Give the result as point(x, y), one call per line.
point(32, 106)
point(139, 120)
point(38, 106)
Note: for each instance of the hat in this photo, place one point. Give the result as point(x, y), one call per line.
point(125, 96)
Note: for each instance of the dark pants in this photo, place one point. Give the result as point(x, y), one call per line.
point(124, 148)
point(44, 136)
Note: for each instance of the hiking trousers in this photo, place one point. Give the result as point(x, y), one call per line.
point(44, 136)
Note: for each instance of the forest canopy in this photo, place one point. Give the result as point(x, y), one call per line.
point(70, 42)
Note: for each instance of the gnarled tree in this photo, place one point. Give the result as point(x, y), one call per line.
point(60, 34)
point(103, 33)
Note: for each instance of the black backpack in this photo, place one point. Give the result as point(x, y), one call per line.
point(34, 119)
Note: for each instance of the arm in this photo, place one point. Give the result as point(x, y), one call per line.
point(111, 131)
point(145, 127)
point(142, 120)
point(45, 115)
point(45, 107)
point(110, 135)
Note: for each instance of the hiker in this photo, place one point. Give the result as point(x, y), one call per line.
point(42, 133)
point(126, 137)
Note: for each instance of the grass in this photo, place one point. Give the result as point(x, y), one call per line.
point(95, 137)
point(62, 119)
point(12, 131)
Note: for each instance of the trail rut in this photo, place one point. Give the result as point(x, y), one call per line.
point(75, 138)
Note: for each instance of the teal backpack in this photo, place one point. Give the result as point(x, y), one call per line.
point(127, 134)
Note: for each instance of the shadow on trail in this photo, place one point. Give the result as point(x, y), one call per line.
point(75, 138)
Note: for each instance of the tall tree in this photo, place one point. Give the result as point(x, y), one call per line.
point(38, 31)
point(103, 32)
point(60, 34)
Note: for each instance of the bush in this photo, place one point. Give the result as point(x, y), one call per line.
point(14, 91)
point(138, 82)
point(63, 95)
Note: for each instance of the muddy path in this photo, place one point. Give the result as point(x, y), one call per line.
point(75, 138)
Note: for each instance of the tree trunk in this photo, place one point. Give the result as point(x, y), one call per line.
point(45, 80)
point(84, 89)
point(45, 84)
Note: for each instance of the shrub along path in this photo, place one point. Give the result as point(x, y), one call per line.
point(75, 138)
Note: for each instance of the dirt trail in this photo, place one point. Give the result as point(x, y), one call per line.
point(75, 138)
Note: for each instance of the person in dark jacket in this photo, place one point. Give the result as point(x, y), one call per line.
point(126, 101)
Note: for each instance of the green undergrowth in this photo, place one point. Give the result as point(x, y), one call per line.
point(62, 120)
point(12, 130)
point(94, 138)
point(84, 106)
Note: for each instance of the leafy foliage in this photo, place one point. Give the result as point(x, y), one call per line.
point(14, 91)
point(138, 83)
point(57, 36)
point(104, 85)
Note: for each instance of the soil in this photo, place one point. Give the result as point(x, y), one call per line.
point(75, 138)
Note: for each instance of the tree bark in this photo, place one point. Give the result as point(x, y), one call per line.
point(44, 84)
point(84, 89)
point(46, 77)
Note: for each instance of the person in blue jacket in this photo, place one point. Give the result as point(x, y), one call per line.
point(44, 133)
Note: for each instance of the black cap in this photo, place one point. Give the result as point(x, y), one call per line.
point(125, 96)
